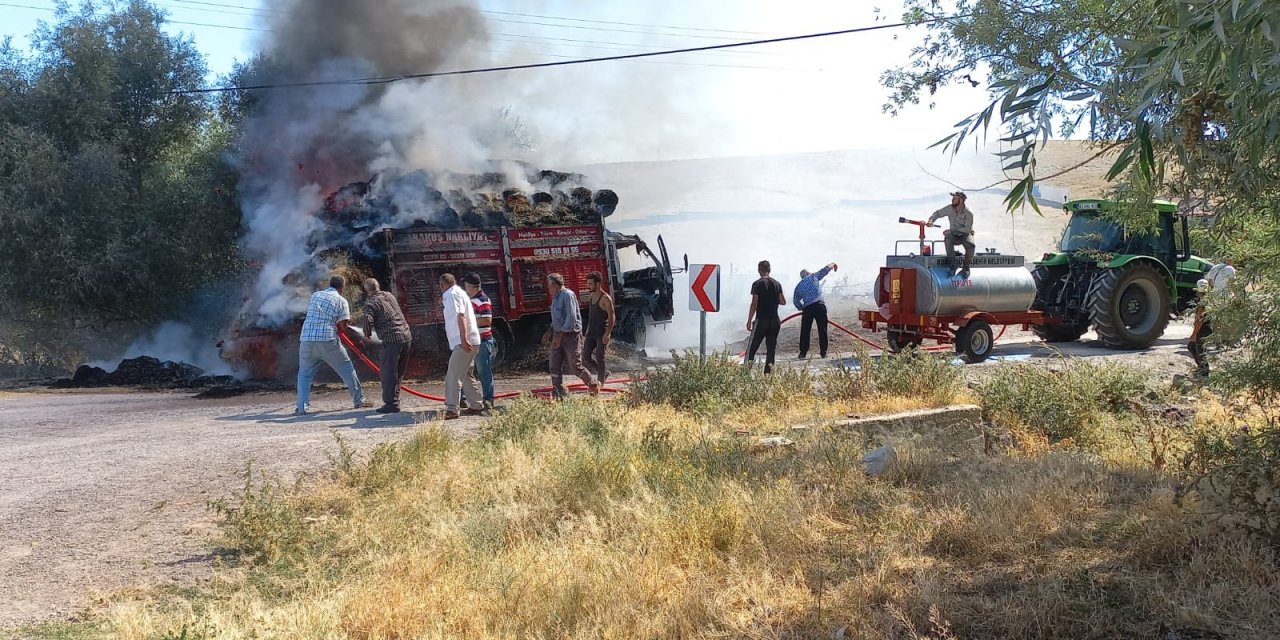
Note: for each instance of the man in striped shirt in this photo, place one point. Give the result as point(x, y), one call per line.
point(808, 299)
point(484, 320)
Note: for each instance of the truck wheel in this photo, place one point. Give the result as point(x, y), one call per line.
point(974, 341)
point(634, 329)
point(1129, 306)
point(501, 347)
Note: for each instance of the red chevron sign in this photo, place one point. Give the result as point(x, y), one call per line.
point(704, 287)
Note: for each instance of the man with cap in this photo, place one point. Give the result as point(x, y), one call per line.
point(808, 299)
point(960, 219)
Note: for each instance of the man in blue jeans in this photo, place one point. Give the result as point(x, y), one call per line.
point(327, 314)
point(484, 320)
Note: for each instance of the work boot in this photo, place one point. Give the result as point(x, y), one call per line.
point(488, 405)
point(365, 404)
point(388, 408)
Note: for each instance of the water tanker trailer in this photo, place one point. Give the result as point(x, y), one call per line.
point(918, 298)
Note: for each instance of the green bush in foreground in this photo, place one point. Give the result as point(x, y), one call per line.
point(1069, 402)
point(718, 384)
point(910, 374)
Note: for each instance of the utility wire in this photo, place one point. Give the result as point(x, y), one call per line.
point(631, 56)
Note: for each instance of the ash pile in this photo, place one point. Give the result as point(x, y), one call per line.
point(143, 371)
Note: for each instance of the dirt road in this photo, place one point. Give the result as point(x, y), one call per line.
point(104, 490)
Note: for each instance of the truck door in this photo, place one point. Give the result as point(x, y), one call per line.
point(664, 308)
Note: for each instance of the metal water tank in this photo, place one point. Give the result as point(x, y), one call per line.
point(997, 283)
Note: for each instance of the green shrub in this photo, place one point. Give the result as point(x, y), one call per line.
point(916, 374)
point(1235, 479)
point(528, 415)
point(719, 384)
point(263, 525)
point(1070, 402)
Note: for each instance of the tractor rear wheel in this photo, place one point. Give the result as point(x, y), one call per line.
point(1129, 306)
point(974, 341)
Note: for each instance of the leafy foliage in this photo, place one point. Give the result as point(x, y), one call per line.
point(115, 199)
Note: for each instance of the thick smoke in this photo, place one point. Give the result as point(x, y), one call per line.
point(301, 144)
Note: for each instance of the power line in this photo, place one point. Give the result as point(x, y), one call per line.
point(631, 56)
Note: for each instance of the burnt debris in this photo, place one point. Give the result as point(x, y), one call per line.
point(143, 371)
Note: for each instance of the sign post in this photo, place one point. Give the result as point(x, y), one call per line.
point(704, 296)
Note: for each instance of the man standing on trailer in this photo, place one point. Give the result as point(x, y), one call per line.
point(464, 340)
point(483, 309)
point(762, 319)
point(808, 299)
point(327, 314)
point(600, 321)
point(562, 337)
point(382, 315)
point(960, 219)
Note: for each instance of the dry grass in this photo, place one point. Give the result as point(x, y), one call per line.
point(596, 520)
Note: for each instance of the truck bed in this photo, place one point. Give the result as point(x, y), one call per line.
point(513, 264)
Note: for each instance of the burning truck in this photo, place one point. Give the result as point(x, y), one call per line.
point(513, 228)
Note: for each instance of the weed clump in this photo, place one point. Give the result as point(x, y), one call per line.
point(1072, 402)
point(928, 376)
point(718, 384)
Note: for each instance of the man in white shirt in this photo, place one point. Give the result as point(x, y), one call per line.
point(1215, 284)
point(960, 220)
point(464, 340)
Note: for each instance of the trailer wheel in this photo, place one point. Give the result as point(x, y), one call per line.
point(974, 341)
point(899, 341)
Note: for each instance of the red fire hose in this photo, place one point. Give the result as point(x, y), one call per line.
point(510, 394)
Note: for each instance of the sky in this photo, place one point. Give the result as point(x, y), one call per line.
point(813, 95)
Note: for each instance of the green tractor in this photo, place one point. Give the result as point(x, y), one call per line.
point(1125, 285)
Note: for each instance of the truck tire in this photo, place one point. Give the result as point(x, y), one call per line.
point(634, 329)
point(501, 347)
point(974, 341)
point(1129, 306)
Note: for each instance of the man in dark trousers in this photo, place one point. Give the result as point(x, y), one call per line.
point(562, 337)
point(382, 316)
point(762, 320)
point(808, 299)
point(600, 321)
